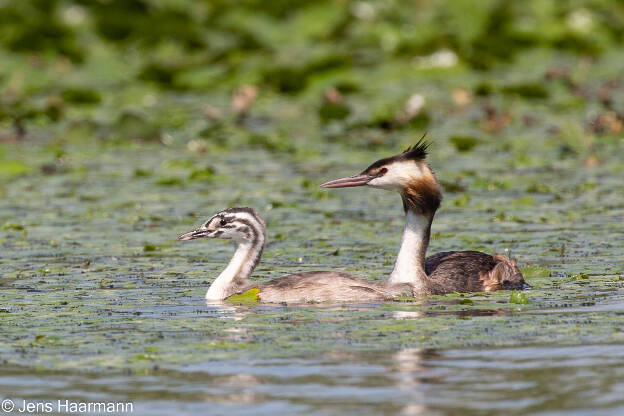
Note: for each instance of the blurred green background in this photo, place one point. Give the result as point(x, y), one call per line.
point(289, 76)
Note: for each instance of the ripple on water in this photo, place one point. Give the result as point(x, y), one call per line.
point(518, 381)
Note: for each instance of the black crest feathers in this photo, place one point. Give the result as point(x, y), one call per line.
point(417, 151)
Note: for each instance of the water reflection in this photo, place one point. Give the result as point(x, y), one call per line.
point(462, 314)
point(407, 366)
point(469, 313)
point(225, 310)
point(514, 381)
point(403, 315)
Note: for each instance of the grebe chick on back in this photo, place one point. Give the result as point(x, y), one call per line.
point(247, 230)
point(453, 271)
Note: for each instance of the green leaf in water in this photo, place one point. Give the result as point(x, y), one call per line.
point(81, 96)
point(11, 168)
point(462, 201)
point(580, 276)
point(12, 226)
point(169, 182)
point(145, 357)
point(535, 271)
point(527, 90)
point(464, 143)
point(133, 126)
point(205, 174)
point(452, 186)
point(518, 297)
point(142, 172)
point(250, 296)
point(333, 111)
point(149, 247)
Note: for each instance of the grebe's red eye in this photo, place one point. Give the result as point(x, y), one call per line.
point(383, 171)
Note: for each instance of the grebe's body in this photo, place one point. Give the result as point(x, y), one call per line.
point(326, 286)
point(247, 230)
point(474, 271)
point(447, 272)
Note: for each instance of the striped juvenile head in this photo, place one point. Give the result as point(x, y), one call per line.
point(241, 225)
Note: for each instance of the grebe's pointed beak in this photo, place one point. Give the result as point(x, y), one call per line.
point(526, 286)
point(348, 182)
point(198, 233)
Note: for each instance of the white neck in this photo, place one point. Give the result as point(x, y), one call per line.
point(236, 274)
point(410, 262)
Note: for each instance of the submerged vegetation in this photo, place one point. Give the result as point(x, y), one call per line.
point(122, 122)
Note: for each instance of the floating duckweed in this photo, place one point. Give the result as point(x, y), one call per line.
point(462, 201)
point(148, 357)
point(81, 96)
point(518, 297)
point(142, 172)
point(10, 168)
point(452, 186)
point(526, 90)
point(405, 299)
point(12, 226)
point(202, 174)
point(169, 182)
point(535, 271)
point(333, 111)
point(464, 143)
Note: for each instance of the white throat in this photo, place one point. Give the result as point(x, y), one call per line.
point(410, 262)
point(237, 272)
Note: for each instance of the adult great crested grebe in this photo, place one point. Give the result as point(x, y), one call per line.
point(452, 271)
point(247, 230)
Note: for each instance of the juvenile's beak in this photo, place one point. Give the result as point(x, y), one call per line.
point(348, 182)
point(526, 286)
point(198, 233)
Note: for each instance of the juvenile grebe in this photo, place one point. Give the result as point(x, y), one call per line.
point(247, 230)
point(447, 272)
